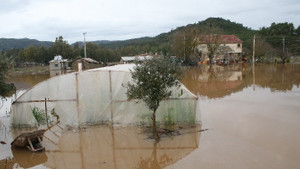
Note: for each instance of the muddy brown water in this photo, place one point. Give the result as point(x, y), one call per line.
point(253, 121)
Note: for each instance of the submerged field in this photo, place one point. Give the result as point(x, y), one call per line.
point(252, 121)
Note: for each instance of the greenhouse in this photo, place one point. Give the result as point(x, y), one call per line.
point(98, 96)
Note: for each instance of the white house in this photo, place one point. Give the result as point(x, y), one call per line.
point(58, 63)
point(229, 47)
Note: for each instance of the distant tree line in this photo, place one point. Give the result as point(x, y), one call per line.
point(42, 54)
point(279, 40)
point(98, 52)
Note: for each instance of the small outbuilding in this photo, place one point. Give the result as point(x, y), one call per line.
point(87, 63)
point(58, 63)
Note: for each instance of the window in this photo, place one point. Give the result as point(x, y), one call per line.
point(56, 65)
point(238, 45)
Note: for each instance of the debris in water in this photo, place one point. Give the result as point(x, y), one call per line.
point(202, 130)
point(31, 140)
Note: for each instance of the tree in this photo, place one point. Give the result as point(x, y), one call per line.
point(210, 36)
point(283, 37)
point(5, 89)
point(151, 84)
point(212, 46)
point(61, 47)
point(185, 44)
point(264, 51)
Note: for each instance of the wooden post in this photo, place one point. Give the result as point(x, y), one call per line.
point(46, 111)
point(111, 99)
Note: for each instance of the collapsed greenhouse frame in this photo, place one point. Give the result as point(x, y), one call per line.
point(98, 96)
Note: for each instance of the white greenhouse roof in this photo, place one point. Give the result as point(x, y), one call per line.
point(121, 67)
point(98, 96)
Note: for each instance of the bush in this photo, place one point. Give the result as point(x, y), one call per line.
point(39, 115)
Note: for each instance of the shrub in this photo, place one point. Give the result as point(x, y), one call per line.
point(39, 115)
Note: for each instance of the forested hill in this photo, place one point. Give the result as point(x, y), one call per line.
point(165, 43)
point(224, 27)
point(11, 43)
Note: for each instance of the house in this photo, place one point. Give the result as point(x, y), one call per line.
point(58, 63)
point(228, 47)
point(87, 63)
point(131, 59)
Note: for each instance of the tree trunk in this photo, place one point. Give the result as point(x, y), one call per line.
point(154, 126)
point(283, 60)
point(210, 60)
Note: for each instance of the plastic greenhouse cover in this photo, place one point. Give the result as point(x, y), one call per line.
point(98, 96)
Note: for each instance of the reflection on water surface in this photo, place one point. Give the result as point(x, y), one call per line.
point(106, 147)
point(219, 81)
point(253, 122)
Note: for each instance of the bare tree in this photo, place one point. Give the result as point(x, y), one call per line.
point(185, 44)
point(209, 41)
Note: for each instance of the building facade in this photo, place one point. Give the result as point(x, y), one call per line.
point(58, 63)
point(224, 47)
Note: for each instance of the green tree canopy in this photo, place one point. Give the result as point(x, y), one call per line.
point(5, 89)
point(152, 80)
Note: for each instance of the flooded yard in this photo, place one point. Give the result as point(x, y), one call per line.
point(253, 121)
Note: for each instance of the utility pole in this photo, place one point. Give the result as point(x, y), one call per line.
point(184, 47)
point(283, 46)
point(84, 44)
point(253, 56)
point(253, 62)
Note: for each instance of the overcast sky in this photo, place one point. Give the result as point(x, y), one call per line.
point(125, 19)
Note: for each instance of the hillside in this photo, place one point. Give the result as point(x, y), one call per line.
point(11, 43)
point(226, 27)
point(177, 42)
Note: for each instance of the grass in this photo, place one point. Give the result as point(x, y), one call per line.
point(29, 70)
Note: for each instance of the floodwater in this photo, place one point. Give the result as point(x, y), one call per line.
point(252, 117)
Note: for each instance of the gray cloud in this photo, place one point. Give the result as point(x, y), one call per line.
point(118, 19)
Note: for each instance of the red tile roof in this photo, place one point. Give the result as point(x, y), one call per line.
point(220, 39)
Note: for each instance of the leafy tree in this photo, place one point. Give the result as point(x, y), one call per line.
point(129, 51)
point(30, 54)
point(5, 89)
point(283, 37)
point(43, 55)
point(101, 54)
point(77, 51)
point(152, 80)
point(297, 31)
point(61, 47)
